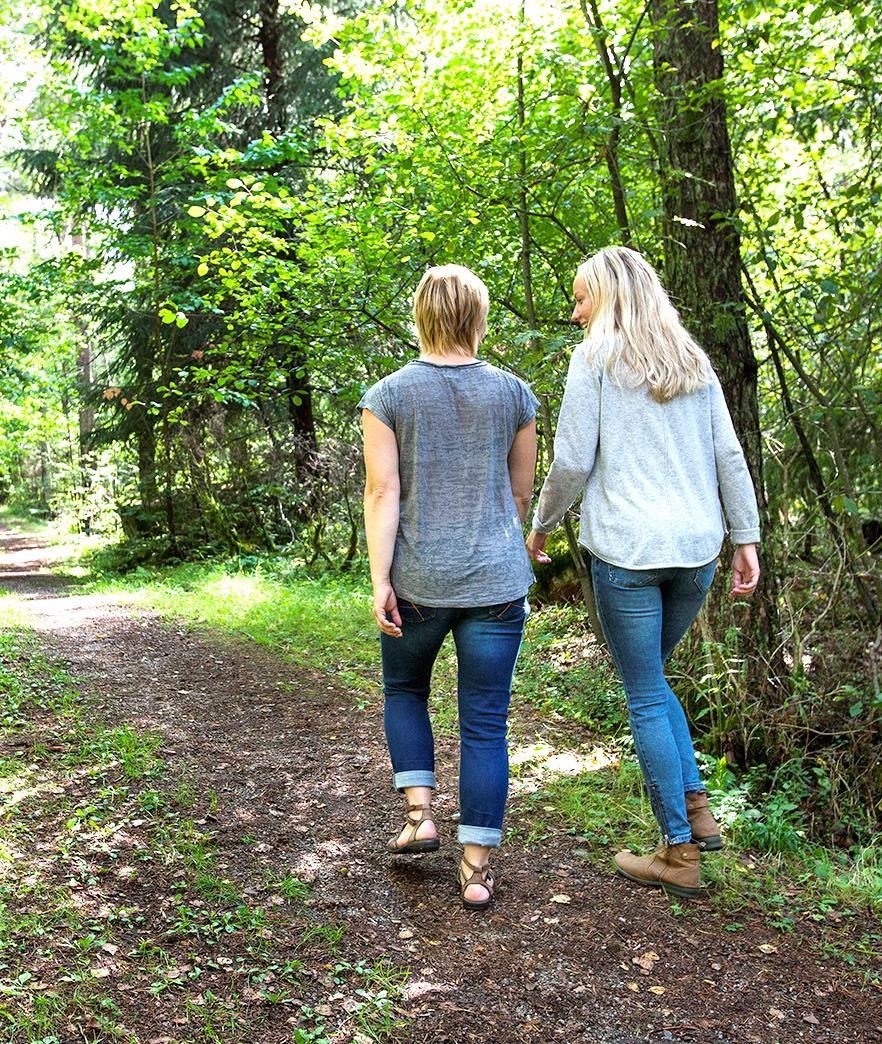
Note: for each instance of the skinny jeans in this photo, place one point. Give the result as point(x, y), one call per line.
point(487, 639)
point(644, 614)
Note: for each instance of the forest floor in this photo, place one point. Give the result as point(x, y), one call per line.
point(194, 850)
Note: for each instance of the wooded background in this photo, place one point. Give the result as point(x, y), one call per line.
point(215, 216)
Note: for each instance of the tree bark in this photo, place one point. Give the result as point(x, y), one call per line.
point(299, 392)
point(162, 355)
point(270, 37)
point(300, 403)
point(147, 485)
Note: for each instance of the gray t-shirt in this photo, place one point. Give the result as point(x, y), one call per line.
point(460, 541)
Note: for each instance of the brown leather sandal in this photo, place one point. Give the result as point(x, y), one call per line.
point(414, 846)
point(480, 875)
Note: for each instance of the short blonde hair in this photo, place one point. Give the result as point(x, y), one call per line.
point(450, 310)
point(635, 326)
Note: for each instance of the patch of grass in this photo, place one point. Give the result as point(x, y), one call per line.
point(212, 923)
point(562, 672)
point(290, 887)
point(328, 935)
point(136, 754)
point(603, 808)
point(24, 519)
point(321, 622)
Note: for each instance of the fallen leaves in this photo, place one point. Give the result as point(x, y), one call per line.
point(561, 898)
point(646, 961)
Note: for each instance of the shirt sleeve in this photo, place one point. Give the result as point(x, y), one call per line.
point(733, 478)
point(575, 443)
point(528, 404)
point(375, 399)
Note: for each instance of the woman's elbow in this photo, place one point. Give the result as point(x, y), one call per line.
point(382, 492)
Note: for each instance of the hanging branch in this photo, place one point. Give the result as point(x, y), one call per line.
point(611, 150)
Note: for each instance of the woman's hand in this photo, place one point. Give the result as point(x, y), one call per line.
point(536, 547)
point(386, 610)
point(745, 571)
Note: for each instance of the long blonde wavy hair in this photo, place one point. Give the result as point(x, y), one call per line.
point(634, 323)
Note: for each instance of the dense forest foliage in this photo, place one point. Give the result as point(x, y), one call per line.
point(218, 212)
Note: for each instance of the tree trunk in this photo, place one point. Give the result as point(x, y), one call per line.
point(88, 464)
point(299, 393)
point(300, 406)
point(147, 485)
point(270, 36)
point(703, 254)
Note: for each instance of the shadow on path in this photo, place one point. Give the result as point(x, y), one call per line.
point(295, 765)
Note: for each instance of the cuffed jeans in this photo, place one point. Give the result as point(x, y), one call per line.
point(645, 613)
point(487, 640)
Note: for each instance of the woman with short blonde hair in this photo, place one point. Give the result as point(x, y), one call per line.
point(645, 436)
point(450, 453)
point(450, 311)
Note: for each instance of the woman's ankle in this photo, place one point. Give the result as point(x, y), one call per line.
point(418, 795)
point(477, 855)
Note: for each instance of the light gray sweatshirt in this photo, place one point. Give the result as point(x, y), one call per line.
point(651, 474)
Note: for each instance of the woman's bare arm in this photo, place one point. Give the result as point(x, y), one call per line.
point(382, 495)
point(522, 468)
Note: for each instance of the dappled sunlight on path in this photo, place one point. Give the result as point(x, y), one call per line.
point(298, 782)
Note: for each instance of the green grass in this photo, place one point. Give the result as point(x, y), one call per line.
point(23, 519)
point(561, 671)
point(322, 623)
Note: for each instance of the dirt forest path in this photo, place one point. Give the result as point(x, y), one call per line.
point(295, 765)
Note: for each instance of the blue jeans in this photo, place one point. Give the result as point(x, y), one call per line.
point(644, 613)
point(487, 640)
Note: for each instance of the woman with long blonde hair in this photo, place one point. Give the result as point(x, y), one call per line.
point(645, 436)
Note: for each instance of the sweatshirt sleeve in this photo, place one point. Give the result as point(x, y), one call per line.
point(575, 443)
point(733, 478)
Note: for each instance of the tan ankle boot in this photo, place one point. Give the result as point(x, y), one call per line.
point(705, 829)
point(675, 868)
